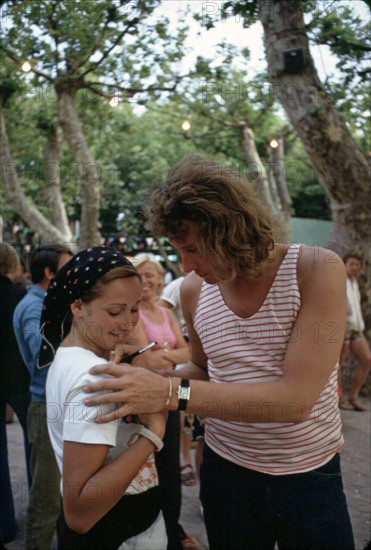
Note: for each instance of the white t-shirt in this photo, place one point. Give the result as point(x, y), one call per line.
point(355, 319)
point(171, 294)
point(70, 420)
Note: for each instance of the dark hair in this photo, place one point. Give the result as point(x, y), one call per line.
point(353, 254)
point(47, 255)
point(234, 225)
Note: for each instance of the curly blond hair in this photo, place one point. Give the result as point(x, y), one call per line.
point(234, 227)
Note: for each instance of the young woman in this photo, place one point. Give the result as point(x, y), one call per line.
point(109, 479)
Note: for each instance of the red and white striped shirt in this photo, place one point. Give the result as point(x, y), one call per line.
point(253, 350)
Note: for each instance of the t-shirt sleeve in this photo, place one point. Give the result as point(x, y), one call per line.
point(79, 420)
point(171, 293)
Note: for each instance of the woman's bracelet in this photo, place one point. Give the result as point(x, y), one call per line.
point(148, 434)
point(170, 391)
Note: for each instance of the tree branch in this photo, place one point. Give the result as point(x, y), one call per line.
point(18, 60)
point(108, 51)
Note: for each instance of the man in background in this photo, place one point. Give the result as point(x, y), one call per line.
point(44, 500)
point(14, 382)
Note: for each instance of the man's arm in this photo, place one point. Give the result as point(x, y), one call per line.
point(309, 361)
point(27, 331)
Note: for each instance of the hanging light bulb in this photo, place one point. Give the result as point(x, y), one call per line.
point(273, 143)
point(114, 101)
point(186, 125)
point(26, 66)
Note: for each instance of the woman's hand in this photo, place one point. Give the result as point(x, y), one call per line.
point(137, 390)
point(121, 351)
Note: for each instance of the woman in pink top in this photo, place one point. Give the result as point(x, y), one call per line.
point(158, 323)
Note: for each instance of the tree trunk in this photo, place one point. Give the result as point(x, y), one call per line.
point(88, 168)
point(277, 173)
point(260, 181)
point(341, 167)
point(53, 192)
point(17, 198)
point(257, 173)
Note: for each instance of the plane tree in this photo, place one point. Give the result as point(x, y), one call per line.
point(78, 51)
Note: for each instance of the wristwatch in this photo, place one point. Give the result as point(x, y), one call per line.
point(184, 393)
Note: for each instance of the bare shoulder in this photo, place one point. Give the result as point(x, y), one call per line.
point(189, 291)
point(317, 265)
point(191, 284)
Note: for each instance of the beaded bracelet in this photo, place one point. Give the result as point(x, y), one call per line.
point(148, 434)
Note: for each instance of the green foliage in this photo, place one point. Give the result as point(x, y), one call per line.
point(79, 44)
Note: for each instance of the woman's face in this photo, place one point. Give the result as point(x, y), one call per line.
point(111, 318)
point(151, 280)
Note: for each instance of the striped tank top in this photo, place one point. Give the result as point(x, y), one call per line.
point(253, 350)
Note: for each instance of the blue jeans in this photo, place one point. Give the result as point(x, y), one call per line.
point(19, 404)
point(245, 509)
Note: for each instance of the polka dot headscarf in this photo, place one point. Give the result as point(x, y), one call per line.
point(73, 280)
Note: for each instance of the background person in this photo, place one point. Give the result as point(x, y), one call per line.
point(355, 339)
point(44, 498)
point(271, 468)
point(14, 381)
point(160, 325)
point(191, 426)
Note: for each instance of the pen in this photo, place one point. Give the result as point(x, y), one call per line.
point(129, 358)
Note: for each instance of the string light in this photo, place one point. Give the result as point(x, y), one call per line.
point(273, 143)
point(26, 66)
point(114, 101)
point(186, 125)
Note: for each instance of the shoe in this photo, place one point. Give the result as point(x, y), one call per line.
point(188, 478)
point(189, 543)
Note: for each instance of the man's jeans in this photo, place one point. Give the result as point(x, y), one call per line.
point(45, 501)
point(248, 509)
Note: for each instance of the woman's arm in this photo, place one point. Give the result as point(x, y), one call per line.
point(310, 358)
point(91, 489)
point(180, 353)
point(151, 359)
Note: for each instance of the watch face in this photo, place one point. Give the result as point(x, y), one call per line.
point(183, 393)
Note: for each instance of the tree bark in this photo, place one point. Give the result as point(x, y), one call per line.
point(341, 167)
point(257, 173)
point(277, 173)
point(261, 182)
point(17, 198)
point(88, 168)
point(53, 192)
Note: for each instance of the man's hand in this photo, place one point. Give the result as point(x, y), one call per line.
point(135, 389)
